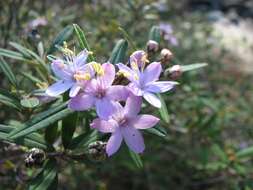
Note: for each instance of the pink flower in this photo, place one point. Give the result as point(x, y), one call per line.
point(124, 123)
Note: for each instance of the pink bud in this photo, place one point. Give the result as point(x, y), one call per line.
point(166, 55)
point(152, 46)
point(175, 71)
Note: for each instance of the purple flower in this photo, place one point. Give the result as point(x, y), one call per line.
point(167, 32)
point(144, 81)
point(124, 124)
point(74, 75)
point(100, 92)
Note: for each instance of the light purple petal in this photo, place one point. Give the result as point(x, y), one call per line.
point(152, 99)
point(58, 88)
point(152, 72)
point(114, 143)
point(104, 108)
point(117, 92)
point(103, 125)
point(133, 106)
point(74, 90)
point(144, 121)
point(135, 89)
point(133, 139)
point(61, 70)
point(109, 74)
point(81, 58)
point(81, 102)
point(128, 71)
point(137, 57)
point(160, 86)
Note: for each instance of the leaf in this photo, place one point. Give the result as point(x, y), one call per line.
point(31, 77)
point(30, 55)
point(9, 100)
point(60, 38)
point(245, 153)
point(12, 54)
point(51, 133)
point(216, 149)
point(128, 39)
point(119, 52)
point(155, 34)
point(30, 102)
point(82, 40)
point(46, 177)
point(158, 130)
point(163, 110)
point(41, 121)
point(32, 140)
point(136, 158)
point(8, 72)
point(83, 140)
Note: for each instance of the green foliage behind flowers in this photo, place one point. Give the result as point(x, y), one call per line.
point(204, 136)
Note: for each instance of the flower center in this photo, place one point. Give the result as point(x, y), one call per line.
point(100, 93)
point(122, 122)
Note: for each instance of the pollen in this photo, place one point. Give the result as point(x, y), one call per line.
point(85, 76)
point(98, 68)
point(123, 73)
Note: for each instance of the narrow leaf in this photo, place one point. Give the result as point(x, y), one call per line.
point(245, 153)
point(12, 54)
point(9, 100)
point(119, 52)
point(8, 72)
point(163, 110)
point(136, 158)
point(30, 102)
point(82, 40)
point(154, 34)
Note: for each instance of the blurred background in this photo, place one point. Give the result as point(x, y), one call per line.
point(210, 121)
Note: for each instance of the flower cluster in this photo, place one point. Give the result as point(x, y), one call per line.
point(93, 85)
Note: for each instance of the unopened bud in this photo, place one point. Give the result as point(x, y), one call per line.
point(97, 151)
point(166, 55)
point(175, 71)
point(35, 158)
point(152, 46)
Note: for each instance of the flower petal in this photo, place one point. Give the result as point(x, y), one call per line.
point(117, 92)
point(114, 143)
point(103, 125)
point(74, 90)
point(137, 57)
point(133, 106)
point(129, 73)
point(152, 99)
point(160, 86)
point(144, 121)
point(135, 89)
point(58, 88)
point(61, 70)
point(104, 108)
point(81, 102)
point(133, 139)
point(81, 58)
point(109, 75)
point(152, 72)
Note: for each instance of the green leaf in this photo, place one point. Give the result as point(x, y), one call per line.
point(51, 133)
point(128, 39)
point(41, 121)
point(9, 100)
point(68, 129)
point(83, 140)
point(46, 177)
point(158, 130)
point(82, 40)
point(31, 77)
point(12, 54)
point(8, 72)
point(245, 153)
point(193, 66)
point(32, 140)
point(163, 110)
point(30, 102)
point(119, 52)
point(64, 35)
point(136, 158)
point(216, 149)
point(155, 34)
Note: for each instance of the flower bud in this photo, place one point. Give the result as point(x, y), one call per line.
point(175, 71)
point(97, 151)
point(166, 55)
point(35, 158)
point(152, 46)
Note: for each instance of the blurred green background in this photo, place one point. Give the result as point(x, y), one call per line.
point(210, 125)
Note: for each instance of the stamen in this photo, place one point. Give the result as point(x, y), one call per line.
point(98, 68)
point(134, 65)
point(136, 77)
point(85, 76)
point(123, 73)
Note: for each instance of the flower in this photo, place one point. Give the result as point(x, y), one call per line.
point(74, 75)
point(152, 46)
point(144, 81)
point(124, 123)
point(100, 92)
point(167, 32)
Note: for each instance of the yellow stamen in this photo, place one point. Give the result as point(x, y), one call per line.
point(42, 85)
point(134, 65)
point(85, 76)
point(123, 73)
point(136, 77)
point(98, 68)
point(66, 50)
